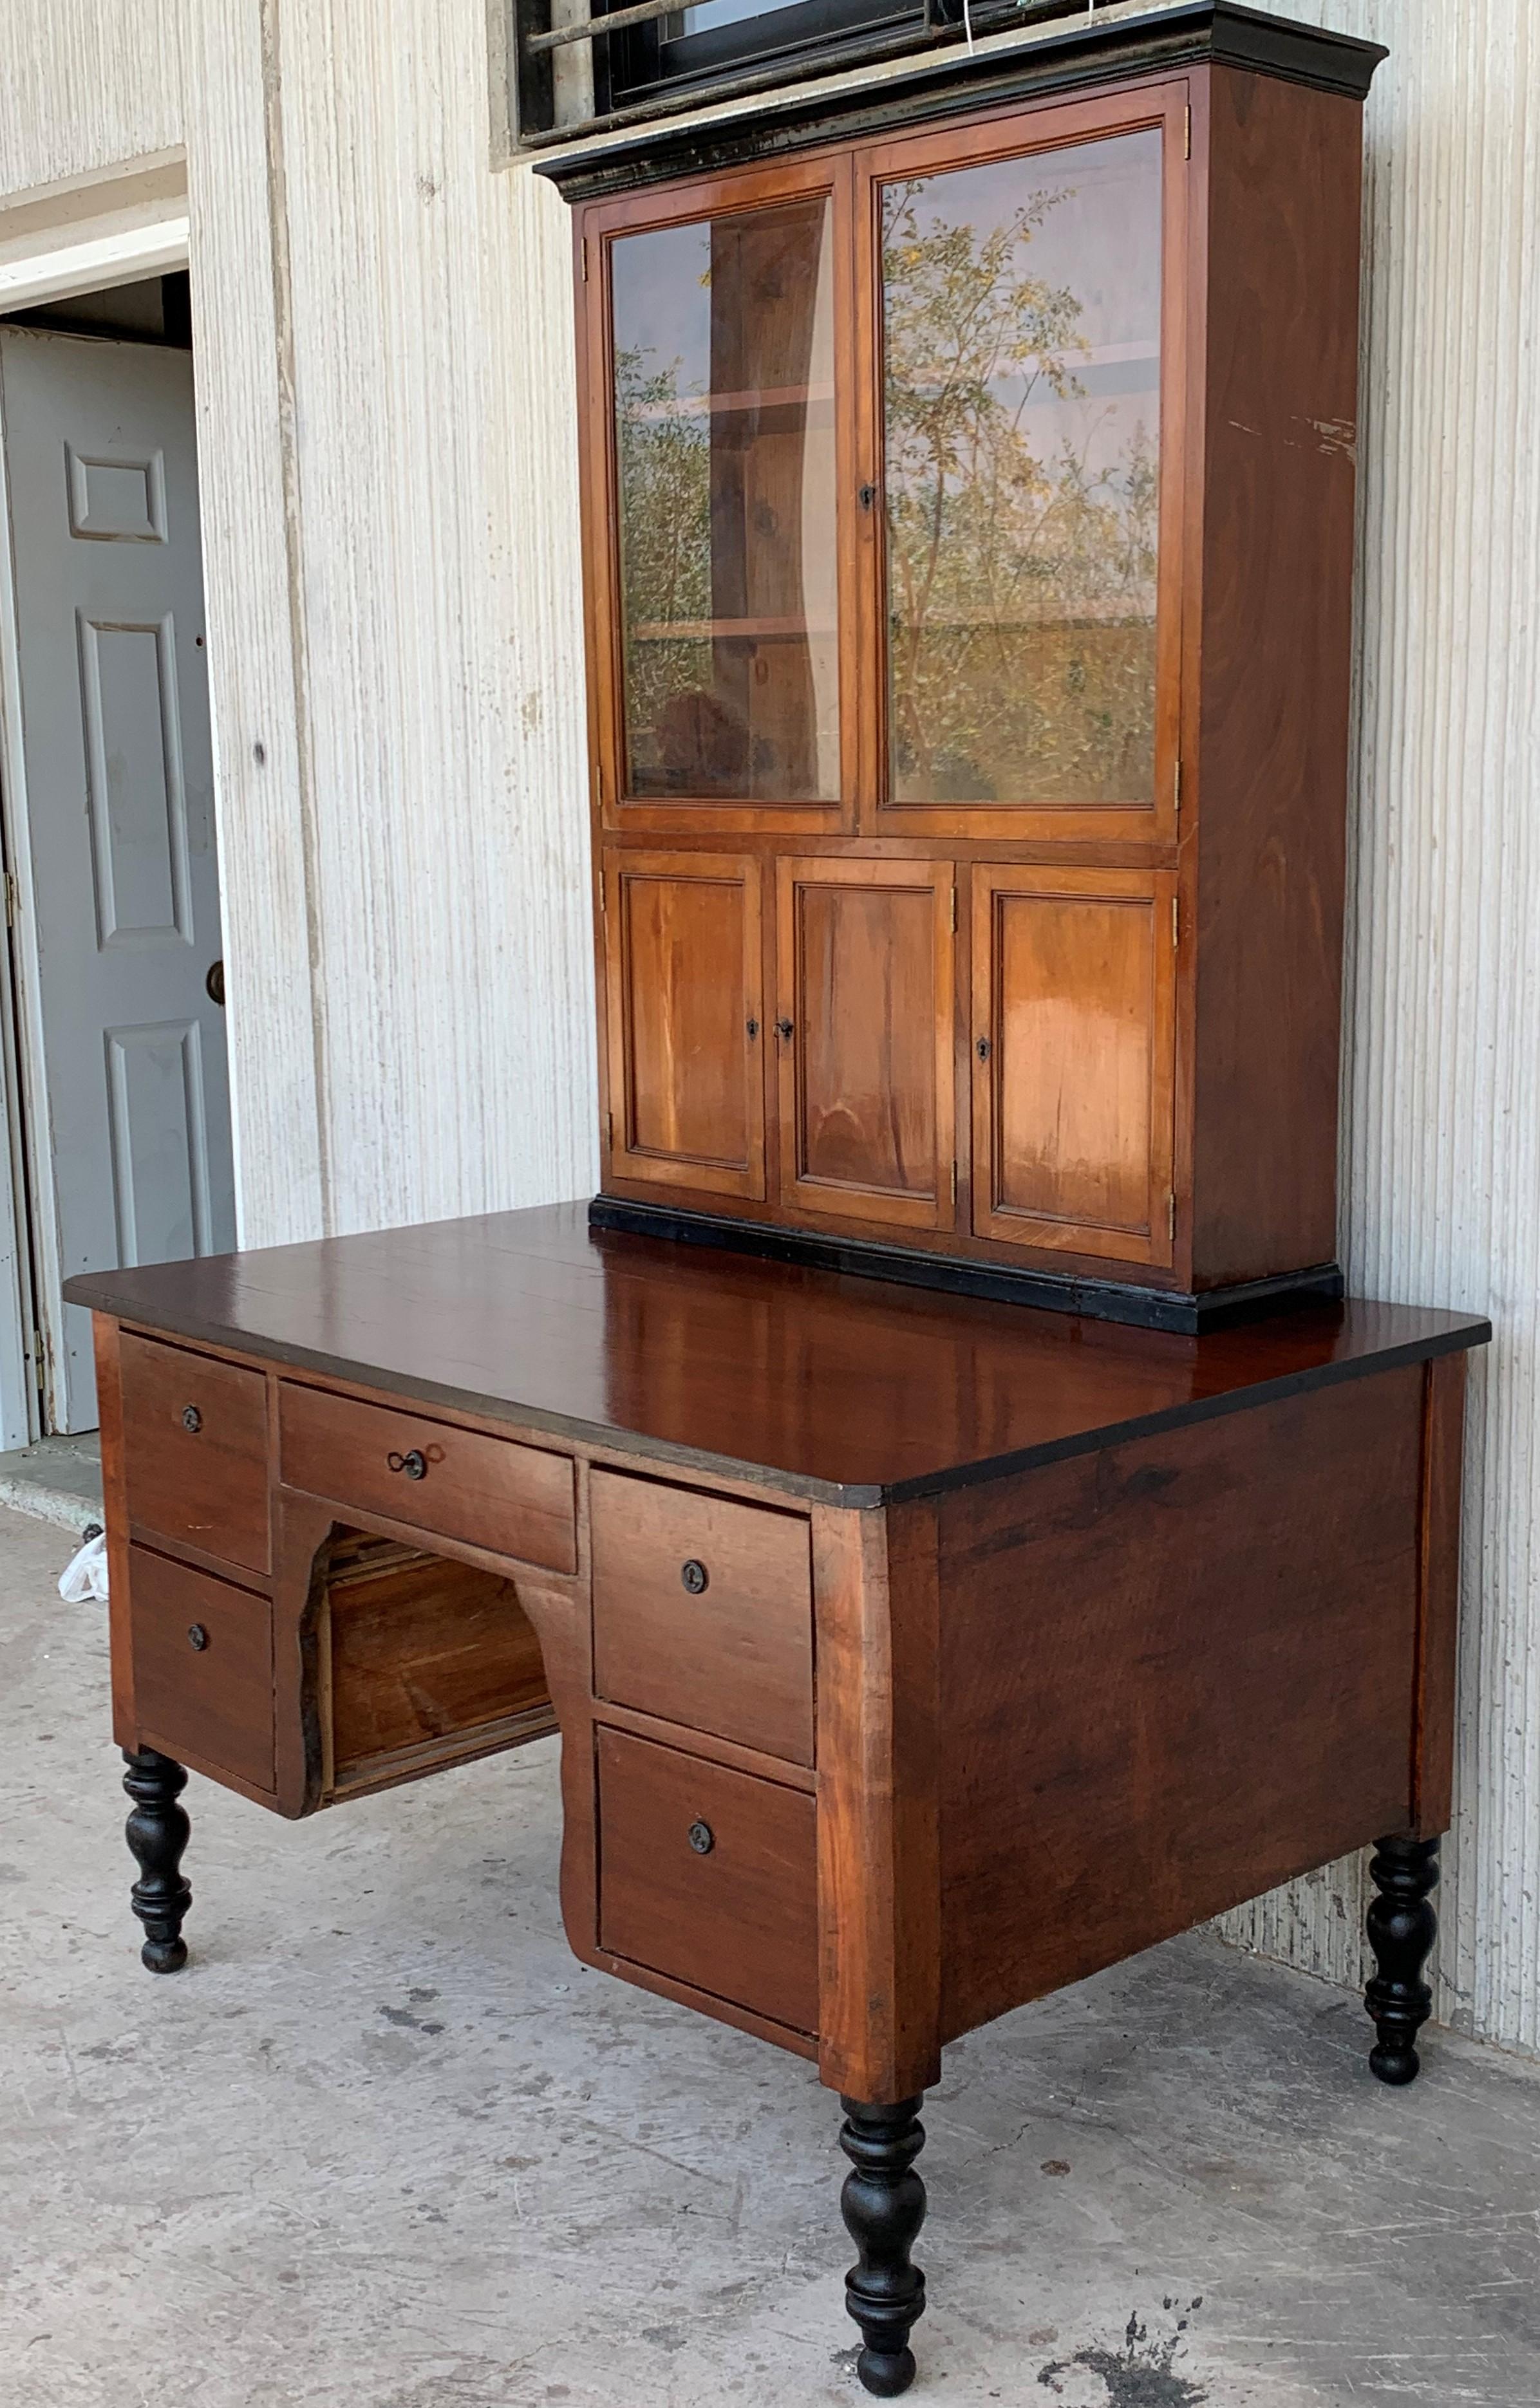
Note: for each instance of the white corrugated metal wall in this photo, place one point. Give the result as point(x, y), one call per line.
point(393, 560)
point(1441, 1140)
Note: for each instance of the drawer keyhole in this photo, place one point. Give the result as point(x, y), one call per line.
point(413, 1463)
point(191, 1419)
point(695, 1576)
point(702, 1839)
point(197, 1638)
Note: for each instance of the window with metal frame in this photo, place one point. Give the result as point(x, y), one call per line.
point(581, 72)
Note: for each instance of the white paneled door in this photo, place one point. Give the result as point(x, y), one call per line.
point(113, 826)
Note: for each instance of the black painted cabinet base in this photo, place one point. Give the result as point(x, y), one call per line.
point(157, 1831)
point(882, 2203)
point(1145, 1308)
point(1402, 1928)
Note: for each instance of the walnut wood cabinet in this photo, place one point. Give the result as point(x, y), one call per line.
point(969, 515)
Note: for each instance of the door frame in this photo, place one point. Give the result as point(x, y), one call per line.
point(137, 225)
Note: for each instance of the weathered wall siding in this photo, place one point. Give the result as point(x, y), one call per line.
point(390, 520)
point(1442, 1077)
point(437, 500)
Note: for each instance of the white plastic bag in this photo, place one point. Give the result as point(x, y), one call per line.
point(85, 1574)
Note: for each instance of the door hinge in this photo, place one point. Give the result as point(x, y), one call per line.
point(1187, 136)
point(1171, 1215)
point(13, 900)
point(1176, 920)
point(610, 1132)
point(954, 911)
point(40, 1378)
point(953, 1186)
point(584, 246)
point(1177, 786)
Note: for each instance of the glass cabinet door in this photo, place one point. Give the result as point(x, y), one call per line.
point(723, 350)
point(1020, 408)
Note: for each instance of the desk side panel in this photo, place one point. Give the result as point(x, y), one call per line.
point(1174, 1674)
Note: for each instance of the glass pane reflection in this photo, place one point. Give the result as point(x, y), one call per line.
point(725, 441)
point(1021, 424)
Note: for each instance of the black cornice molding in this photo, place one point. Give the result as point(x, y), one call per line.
point(947, 83)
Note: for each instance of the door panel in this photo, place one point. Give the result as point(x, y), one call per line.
point(864, 950)
point(721, 339)
point(1073, 1034)
point(686, 1089)
point(1027, 441)
point(128, 1097)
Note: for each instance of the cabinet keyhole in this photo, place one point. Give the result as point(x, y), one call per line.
point(982, 1049)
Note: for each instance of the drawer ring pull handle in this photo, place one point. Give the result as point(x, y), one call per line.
point(701, 1837)
point(695, 1576)
point(191, 1419)
point(197, 1638)
point(413, 1463)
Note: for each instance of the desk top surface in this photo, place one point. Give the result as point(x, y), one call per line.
point(847, 1391)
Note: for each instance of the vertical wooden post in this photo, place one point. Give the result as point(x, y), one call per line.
point(879, 1868)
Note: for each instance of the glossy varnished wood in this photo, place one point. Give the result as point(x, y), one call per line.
point(710, 1877)
point(703, 1612)
point(203, 1669)
point(198, 1472)
point(1275, 287)
point(511, 1500)
point(864, 1042)
point(1241, 1601)
point(1073, 1056)
point(847, 1392)
point(687, 1039)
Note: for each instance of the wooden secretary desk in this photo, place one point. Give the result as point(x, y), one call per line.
point(968, 527)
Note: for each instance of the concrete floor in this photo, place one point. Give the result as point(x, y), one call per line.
point(386, 2145)
point(59, 1479)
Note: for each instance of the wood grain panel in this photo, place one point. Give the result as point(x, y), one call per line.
point(1438, 1604)
point(740, 1920)
point(1174, 1673)
point(865, 1038)
point(196, 1451)
point(686, 1093)
point(513, 1500)
point(734, 1657)
point(421, 1651)
point(203, 1668)
point(879, 1749)
point(1275, 276)
point(1073, 1058)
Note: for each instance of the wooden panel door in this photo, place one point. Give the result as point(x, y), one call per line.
point(681, 955)
point(1073, 1058)
point(864, 1032)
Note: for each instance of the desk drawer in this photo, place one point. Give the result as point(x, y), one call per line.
point(710, 1877)
point(489, 1492)
point(203, 1668)
point(196, 1451)
point(703, 1612)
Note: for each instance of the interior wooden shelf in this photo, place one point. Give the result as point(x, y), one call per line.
point(727, 405)
point(673, 631)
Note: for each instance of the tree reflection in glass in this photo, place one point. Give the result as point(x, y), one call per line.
point(1021, 314)
point(725, 453)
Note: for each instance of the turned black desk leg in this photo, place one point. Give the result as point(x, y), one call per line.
point(882, 2203)
point(1402, 1927)
point(157, 1832)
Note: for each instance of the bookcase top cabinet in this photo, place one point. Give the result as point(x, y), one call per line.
point(968, 504)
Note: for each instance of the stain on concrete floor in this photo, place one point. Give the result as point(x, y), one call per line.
point(386, 2145)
